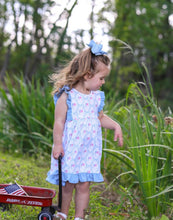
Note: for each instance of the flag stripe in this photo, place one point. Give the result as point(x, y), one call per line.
point(3, 191)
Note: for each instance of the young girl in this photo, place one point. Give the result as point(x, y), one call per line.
point(77, 132)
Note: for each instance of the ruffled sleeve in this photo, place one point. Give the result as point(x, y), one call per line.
point(59, 93)
point(65, 89)
point(102, 102)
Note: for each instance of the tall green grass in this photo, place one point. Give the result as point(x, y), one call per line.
point(26, 117)
point(149, 146)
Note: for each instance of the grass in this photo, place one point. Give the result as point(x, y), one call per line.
point(147, 155)
point(105, 202)
point(26, 117)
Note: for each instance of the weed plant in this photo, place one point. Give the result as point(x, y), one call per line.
point(147, 153)
point(27, 113)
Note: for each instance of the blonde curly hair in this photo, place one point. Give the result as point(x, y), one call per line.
point(82, 64)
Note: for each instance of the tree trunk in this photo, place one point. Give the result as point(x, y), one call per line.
point(6, 62)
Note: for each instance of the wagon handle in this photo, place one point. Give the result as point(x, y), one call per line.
point(60, 183)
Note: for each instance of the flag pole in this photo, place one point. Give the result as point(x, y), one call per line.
point(22, 189)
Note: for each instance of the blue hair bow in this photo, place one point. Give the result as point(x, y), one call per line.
point(96, 48)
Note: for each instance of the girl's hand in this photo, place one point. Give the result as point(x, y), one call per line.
point(118, 135)
point(57, 151)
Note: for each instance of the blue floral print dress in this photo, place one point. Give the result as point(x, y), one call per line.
point(82, 138)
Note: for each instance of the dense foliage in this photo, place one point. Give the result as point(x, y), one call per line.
point(27, 114)
point(35, 38)
point(146, 26)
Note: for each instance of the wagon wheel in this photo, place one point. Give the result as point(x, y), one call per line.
point(45, 215)
point(52, 209)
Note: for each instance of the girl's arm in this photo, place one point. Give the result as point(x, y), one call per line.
point(59, 121)
point(107, 122)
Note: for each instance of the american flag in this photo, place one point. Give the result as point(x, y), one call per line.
point(13, 189)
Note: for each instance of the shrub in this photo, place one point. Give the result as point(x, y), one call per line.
point(27, 113)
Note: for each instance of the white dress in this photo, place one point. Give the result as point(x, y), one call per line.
point(82, 138)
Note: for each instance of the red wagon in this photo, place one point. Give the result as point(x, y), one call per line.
point(41, 197)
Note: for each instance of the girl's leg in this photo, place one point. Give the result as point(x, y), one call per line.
point(67, 193)
point(81, 198)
